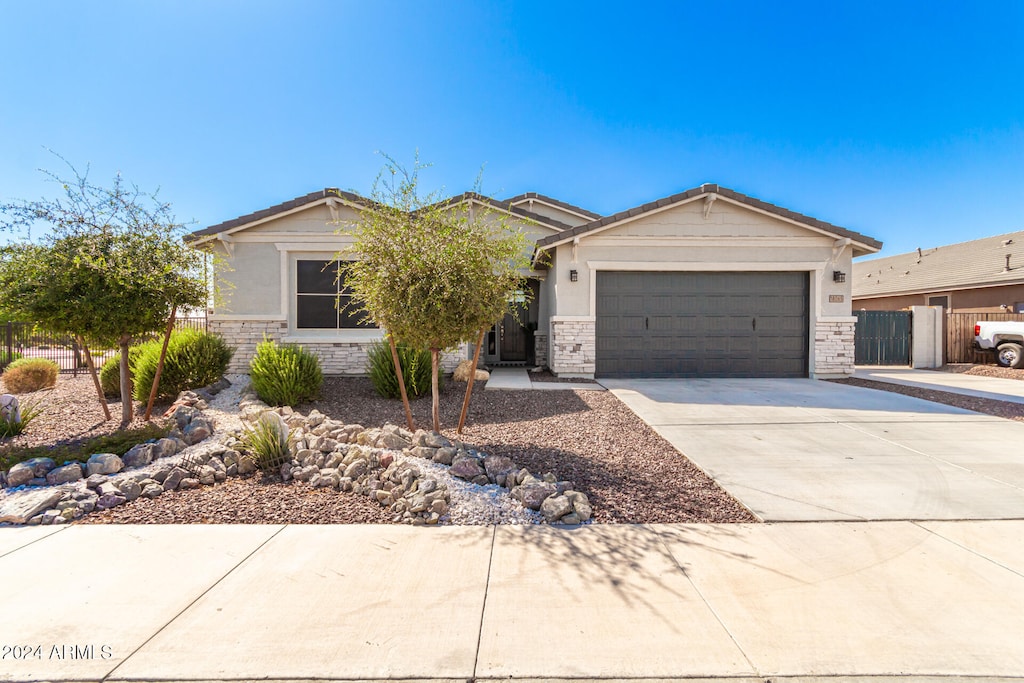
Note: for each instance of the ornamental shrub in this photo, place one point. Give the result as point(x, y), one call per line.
point(267, 441)
point(30, 374)
point(194, 359)
point(415, 370)
point(10, 427)
point(285, 375)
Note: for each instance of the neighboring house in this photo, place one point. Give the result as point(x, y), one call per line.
point(707, 282)
point(985, 275)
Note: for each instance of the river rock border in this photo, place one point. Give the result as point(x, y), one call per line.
point(379, 463)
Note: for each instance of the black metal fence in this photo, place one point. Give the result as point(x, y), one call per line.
point(28, 340)
point(882, 338)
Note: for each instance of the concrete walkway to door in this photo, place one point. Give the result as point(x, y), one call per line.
point(801, 450)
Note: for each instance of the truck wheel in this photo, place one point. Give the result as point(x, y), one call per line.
point(1010, 356)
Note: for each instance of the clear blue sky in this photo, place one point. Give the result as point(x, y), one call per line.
point(904, 121)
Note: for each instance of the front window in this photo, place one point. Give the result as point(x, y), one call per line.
point(322, 299)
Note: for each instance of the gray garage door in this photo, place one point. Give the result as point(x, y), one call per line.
point(702, 324)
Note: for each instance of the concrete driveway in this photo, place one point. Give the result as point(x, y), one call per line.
point(803, 450)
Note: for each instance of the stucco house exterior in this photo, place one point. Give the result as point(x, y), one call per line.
point(706, 282)
point(980, 276)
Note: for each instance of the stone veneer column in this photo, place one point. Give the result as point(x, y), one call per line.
point(834, 347)
point(573, 347)
point(540, 349)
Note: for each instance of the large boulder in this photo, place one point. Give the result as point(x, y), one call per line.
point(23, 472)
point(555, 507)
point(464, 369)
point(139, 455)
point(467, 468)
point(9, 410)
point(498, 468)
point(65, 474)
point(103, 463)
point(533, 495)
point(20, 508)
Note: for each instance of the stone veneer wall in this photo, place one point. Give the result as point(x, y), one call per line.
point(336, 357)
point(573, 348)
point(834, 346)
point(540, 349)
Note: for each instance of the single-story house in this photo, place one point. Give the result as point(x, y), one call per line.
point(706, 282)
point(980, 276)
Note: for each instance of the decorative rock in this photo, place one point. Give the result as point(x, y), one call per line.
point(174, 478)
point(9, 410)
point(580, 505)
point(108, 488)
point(138, 455)
point(151, 491)
point(394, 441)
point(246, 465)
point(555, 507)
point(533, 495)
point(305, 473)
point(232, 470)
point(435, 440)
point(189, 483)
point(498, 467)
point(357, 469)
point(19, 509)
point(104, 463)
point(465, 369)
point(24, 472)
point(467, 468)
point(65, 474)
point(109, 500)
point(94, 481)
point(165, 448)
point(386, 459)
point(161, 474)
point(183, 416)
point(129, 488)
point(444, 456)
point(199, 430)
point(207, 475)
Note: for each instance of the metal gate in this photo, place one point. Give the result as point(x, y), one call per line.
point(882, 338)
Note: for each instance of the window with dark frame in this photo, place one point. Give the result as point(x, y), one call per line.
point(321, 298)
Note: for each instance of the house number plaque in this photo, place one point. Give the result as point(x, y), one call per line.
point(835, 298)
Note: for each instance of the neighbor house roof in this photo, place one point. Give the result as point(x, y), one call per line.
point(978, 263)
point(329, 192)
point(526, 196)
point(867, 244)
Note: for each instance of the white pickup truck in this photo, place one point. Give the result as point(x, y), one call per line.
point(1004, 338)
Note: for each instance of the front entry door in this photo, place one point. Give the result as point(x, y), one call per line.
point(513, 340)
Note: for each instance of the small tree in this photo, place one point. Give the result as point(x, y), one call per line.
point(111, 266)
point(432, 273)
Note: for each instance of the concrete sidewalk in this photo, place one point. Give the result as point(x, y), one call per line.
point(958, 383)
point(904, 599)
point(520, 378)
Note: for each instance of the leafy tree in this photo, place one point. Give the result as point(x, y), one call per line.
point(111, 266)
point(432, 273)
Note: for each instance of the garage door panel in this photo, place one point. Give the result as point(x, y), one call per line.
point(687, 324)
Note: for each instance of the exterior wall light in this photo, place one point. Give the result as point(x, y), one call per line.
point(574, 276)
point(838, 276)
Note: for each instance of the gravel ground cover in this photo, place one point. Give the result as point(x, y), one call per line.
point(1004, 409)
point(630, 473)
point(984, 371)
point(71, 412)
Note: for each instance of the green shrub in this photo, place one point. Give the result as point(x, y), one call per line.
point(285, 375)
point(110, 373)
point(194, 359)
point(30, 374)
point(415, 370)
point(119, 442)
point(9, 427)
point(267, 441)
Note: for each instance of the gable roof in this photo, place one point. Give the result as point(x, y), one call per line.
point(866, 244)
point(323, 195)
point(978, 263)
point(526, 196)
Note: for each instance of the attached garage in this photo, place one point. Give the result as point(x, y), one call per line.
point(702, 324)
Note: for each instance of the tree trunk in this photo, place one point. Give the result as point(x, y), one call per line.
point(160, 364)
point(126, 383)
point(401, 384)
point(95, 377)
point(469, 384)
point(436, 408)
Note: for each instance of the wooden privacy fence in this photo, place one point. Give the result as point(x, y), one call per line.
point(18, 340)
point(960, 336)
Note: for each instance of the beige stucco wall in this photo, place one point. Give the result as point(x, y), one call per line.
point(732, 238)
point(258, 281)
